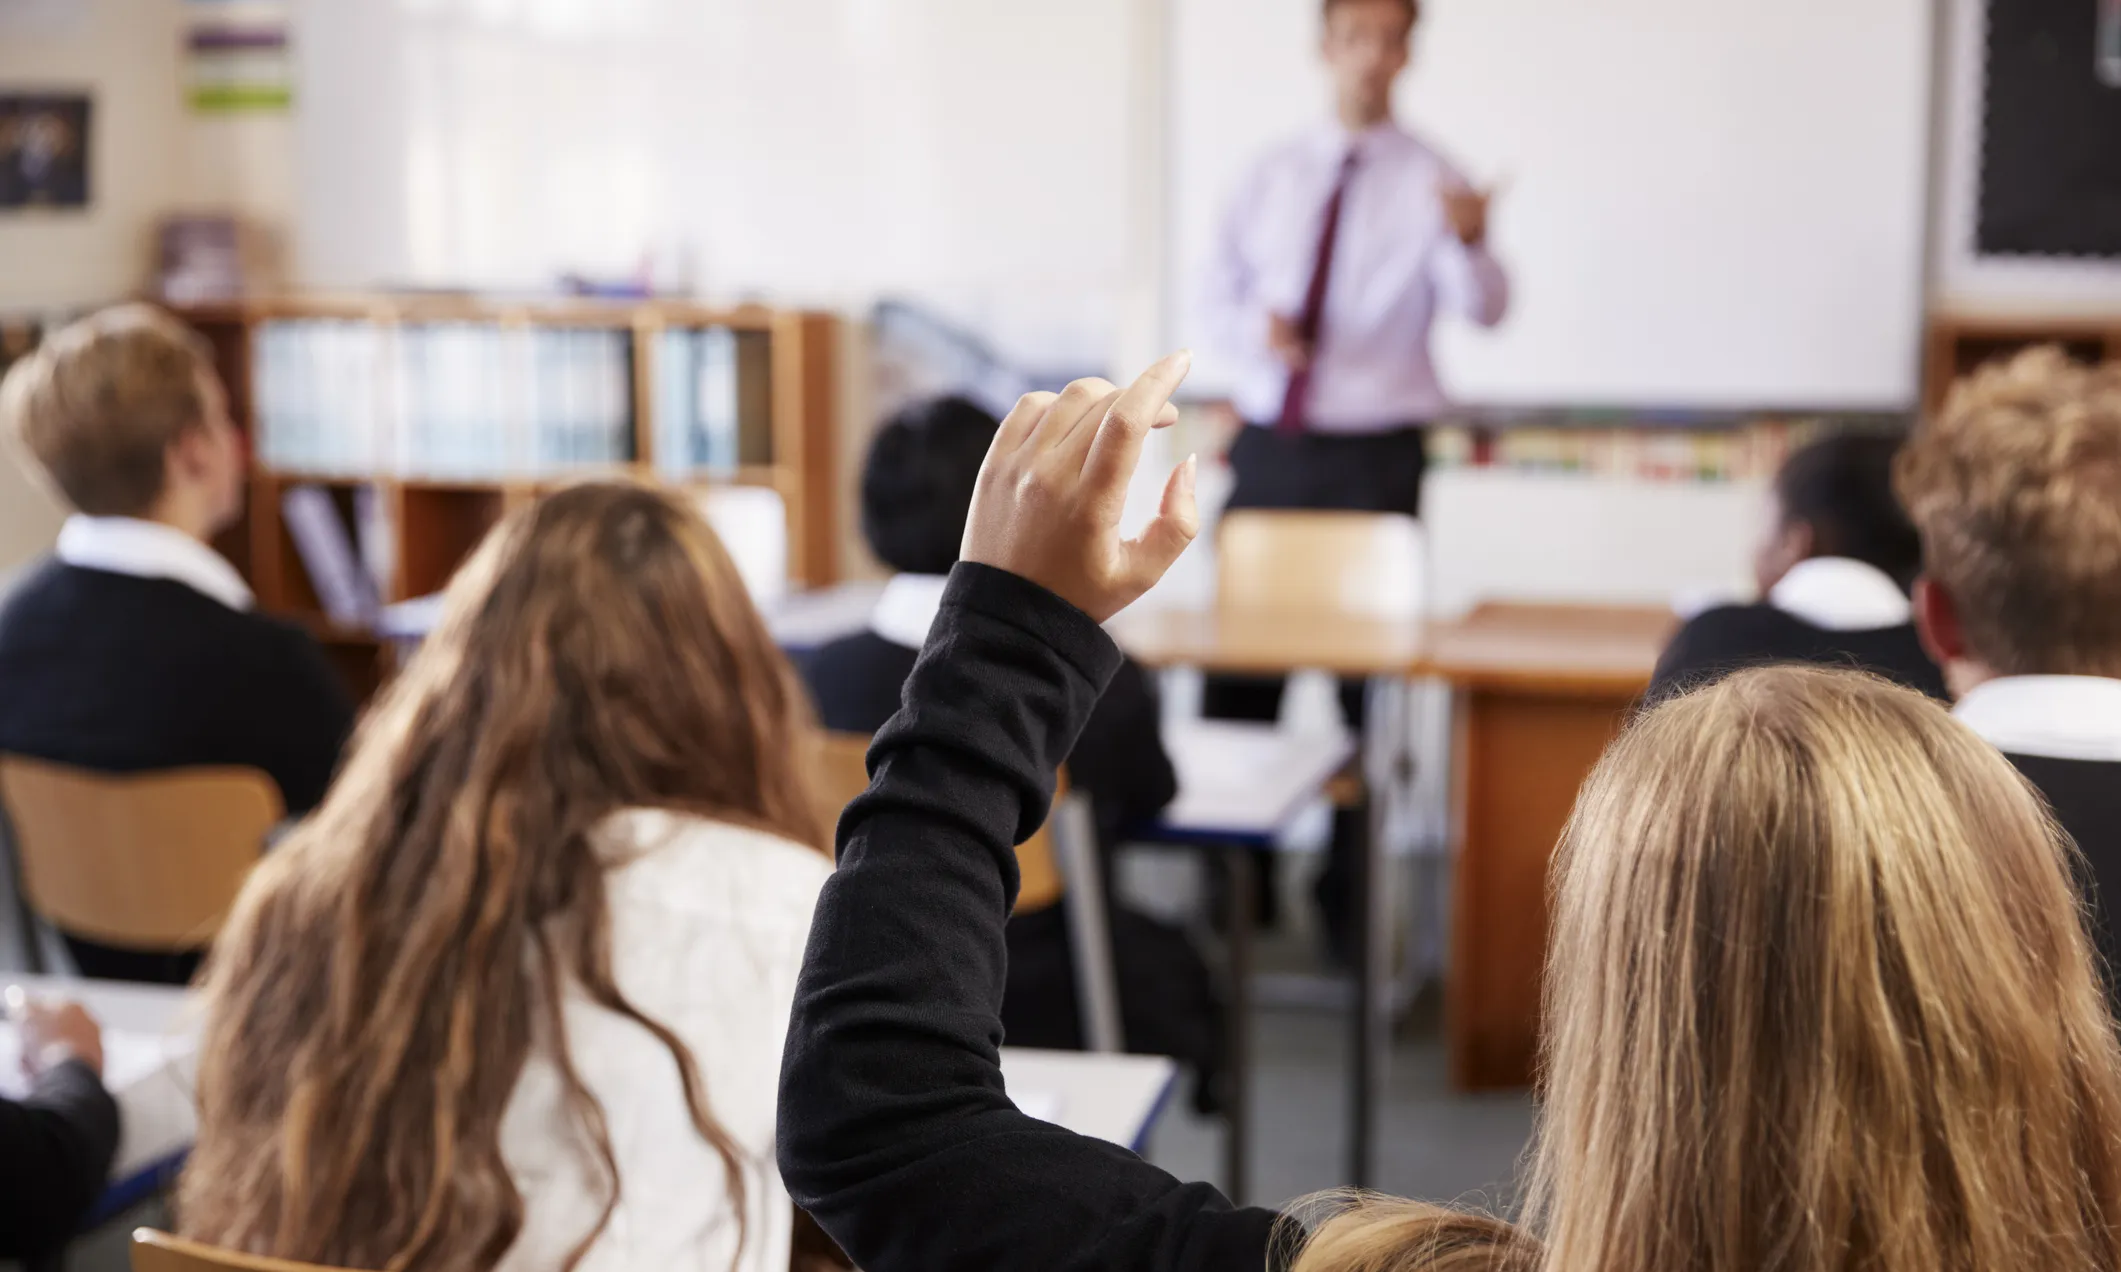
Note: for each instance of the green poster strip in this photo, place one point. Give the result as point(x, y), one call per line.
point(233, 98)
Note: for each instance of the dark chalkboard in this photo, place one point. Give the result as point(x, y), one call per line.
point(2051, 131)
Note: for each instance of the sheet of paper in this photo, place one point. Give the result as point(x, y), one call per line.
point(1046, 1106)
point(128, 1059)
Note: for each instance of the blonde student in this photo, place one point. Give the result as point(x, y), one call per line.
point(2016, 486)
point(515, 996)
point(1818, 1001)
point(136, 646)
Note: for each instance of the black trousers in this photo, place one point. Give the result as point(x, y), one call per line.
point(1379, 472)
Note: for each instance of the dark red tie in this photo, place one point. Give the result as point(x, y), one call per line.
point(1296, 406)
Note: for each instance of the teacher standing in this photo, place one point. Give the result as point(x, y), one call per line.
point(1337, 255)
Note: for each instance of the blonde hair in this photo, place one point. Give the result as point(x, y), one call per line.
point(386, 973)
point(2016, 488)
point(1818, 999)
point(96, 407)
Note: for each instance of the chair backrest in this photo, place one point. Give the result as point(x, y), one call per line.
point(148, 861)
point(844, 774)
point(160, 1252)
point(1371, 565)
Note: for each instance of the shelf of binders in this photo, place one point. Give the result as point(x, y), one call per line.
point(396, 431)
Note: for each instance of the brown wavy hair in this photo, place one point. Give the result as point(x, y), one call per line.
point(1818, 999)
point(388, 970)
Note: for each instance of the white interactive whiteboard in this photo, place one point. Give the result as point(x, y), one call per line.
point(1710, 203)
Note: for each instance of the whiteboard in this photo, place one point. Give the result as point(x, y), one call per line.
point(1710, 203)
point(975, 155)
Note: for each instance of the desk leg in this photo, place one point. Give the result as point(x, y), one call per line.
point(1520, 759)
point(1237, 1142)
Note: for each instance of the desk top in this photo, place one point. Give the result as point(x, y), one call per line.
point(1565, 649)
point(1246, 782)
point(1591, 651)
point(1271, 642)
point(1115, 1098)
point(149, 1064)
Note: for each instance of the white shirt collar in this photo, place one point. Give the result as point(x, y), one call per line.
point(907, 608)
point(1841, 594)
point(151, 550)
point(2053, 717)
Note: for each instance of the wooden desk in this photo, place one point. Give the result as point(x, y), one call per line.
point(1540, 692)
point(1270, 642)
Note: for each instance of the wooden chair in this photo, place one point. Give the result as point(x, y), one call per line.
point(1354, 564)
point(160, 1252)
point(846, 775)
point(1058, 866)
point(148, 861)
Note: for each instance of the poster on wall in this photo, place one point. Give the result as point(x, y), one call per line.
point(2051, 130)
point(236, 56)
point(44, 139)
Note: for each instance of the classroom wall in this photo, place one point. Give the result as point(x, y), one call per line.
point(125, 53)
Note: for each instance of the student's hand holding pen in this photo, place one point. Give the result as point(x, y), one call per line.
point(53, 1032)
point(1055, 483)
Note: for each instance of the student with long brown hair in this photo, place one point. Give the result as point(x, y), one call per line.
point(515, 995)
point(1819, 997)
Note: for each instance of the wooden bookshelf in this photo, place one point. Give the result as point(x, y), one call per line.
point(436, 519)
point(1958, 345)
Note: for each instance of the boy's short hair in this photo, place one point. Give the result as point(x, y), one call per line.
point(917, 484)
point(1842, 487)
point(2016, 488)
point(98, 403)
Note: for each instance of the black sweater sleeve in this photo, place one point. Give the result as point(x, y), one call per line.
point(895, 1131)
point(55, 1154)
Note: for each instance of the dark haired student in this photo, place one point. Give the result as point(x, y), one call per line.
point(1834, 574)
point(917, 488)
point(916, 493)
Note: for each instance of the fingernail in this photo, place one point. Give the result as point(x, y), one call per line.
point(1192, 472)
point(1178, 363)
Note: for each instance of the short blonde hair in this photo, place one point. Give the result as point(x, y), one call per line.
point(98, 404)
point(1819, 997)
point(2016, 488)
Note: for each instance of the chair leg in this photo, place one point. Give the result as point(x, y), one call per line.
point(1089, 925)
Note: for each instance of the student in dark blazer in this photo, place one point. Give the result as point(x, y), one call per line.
point(916, 490)
point(2016, 486)
point(56, 1145)
point(1834, 573)
point(137, 646)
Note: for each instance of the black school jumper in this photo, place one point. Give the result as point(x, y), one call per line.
point(55, 1152)
point(895, 1131)
point(1732, 638)
point(119, 674)
point(2086, 797)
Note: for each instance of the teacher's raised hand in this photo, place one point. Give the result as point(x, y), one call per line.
point(1055, 483)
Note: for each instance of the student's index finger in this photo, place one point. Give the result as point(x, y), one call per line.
point(1140, 408)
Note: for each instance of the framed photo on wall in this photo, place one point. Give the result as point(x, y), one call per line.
point(44, 150)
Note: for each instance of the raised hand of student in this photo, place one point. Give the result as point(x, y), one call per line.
point(1055, 484)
